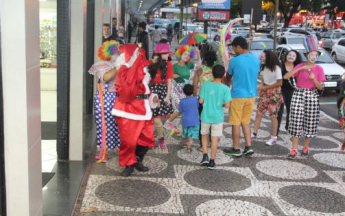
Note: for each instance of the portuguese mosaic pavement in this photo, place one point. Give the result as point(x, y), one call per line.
point(264, 184)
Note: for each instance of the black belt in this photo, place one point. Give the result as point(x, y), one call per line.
point(142, 97)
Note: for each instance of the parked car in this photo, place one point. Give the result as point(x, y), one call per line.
point(280, 32)
point(332, 70)
point(341, 31)
point(329, 39)
point(290, 40)
point(264, 30)
point(261, 35)
point(279, 25)
point(257, 46)
point(188, 29)
point(338, 51)
point(160, 27)
point(295, 32)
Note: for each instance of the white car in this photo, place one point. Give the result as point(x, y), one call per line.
point(329, 39)
point(296, 32)
point(338, 51)
point(332, 70)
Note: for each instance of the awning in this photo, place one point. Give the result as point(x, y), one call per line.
point(156, 6)
point(173, 10)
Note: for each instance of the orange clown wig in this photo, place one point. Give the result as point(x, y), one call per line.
point(183, 49)
point(108, 49)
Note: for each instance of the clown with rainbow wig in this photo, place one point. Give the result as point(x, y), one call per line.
point(105, 71)
point(305, 108)
point(183, 71)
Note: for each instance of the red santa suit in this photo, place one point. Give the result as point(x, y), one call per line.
point(132, 109)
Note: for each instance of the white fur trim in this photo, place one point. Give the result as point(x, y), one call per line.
point(153, 105)
point(123, 114)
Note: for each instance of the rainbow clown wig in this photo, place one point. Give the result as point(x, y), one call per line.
point(108, 49)
point(183, 49)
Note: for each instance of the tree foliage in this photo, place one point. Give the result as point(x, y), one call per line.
point(236, 8)
point(289, 7)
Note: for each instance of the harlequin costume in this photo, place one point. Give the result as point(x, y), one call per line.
point(106, 127)
point(132, 108)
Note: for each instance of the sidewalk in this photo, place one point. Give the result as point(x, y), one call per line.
point(265, 184)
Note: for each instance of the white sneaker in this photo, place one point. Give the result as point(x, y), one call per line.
point(272, 141)
point(253, 137)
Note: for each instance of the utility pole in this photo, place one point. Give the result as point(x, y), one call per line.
point(275, 25)
point(181, 19)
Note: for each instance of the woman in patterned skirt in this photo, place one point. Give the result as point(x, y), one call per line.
point(270, 92)
point(161, 72)
point(105, 72)
point(305, 108)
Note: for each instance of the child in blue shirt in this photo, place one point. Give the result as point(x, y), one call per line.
point(214, 96)
point(188, 107)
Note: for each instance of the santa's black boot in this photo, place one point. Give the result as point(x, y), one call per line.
point(140, 152)
point(127, 171)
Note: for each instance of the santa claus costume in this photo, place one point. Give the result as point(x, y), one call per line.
point(132, 109)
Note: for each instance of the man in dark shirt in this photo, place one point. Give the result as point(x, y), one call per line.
point(106, 33)
point(114, 29)
point(129, 31)
point(142, 37)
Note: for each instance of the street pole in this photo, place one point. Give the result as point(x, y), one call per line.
point(181, 20)
point(275, 25)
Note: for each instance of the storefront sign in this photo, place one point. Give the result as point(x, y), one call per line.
point(215, 4)
point(214, 15)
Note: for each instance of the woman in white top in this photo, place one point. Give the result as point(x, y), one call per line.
point(270, 93)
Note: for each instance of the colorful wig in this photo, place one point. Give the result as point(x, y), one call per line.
point(183, 49)
point(108, 49)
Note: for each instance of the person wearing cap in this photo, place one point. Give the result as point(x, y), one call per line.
point(243, 73)
point(161, 71)
point(305, 108)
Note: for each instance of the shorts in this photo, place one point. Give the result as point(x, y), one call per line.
point(241, 110)
point(216, 129)
point(191, 132)
point(270, 100)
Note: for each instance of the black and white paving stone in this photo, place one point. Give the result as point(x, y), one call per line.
point(264, 184)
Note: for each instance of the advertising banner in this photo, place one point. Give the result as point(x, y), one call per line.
point(215, 4)
point(214, 15)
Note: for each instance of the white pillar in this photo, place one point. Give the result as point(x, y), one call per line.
point(22, 112)
point(98, 26)
point(77, 79)
point(107, 12)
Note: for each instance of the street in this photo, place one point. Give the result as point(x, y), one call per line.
point(328, 102)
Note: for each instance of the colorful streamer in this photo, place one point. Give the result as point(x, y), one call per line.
point(103, 155)
point(223, 35)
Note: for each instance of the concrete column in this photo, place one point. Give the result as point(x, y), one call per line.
point(107, 11)
point(98, 26)
point(22, 113)
point(77, 77)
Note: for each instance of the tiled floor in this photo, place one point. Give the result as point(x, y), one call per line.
point(264, 184)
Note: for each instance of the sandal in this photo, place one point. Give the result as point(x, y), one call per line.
point(199, 149)
point(184, 145)
point(189, 150)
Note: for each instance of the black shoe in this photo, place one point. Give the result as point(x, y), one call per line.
point(211, 165)
point(205, 160)
point(292, 154)
point(140, 167)
point(127, 171)
point(305, 152)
